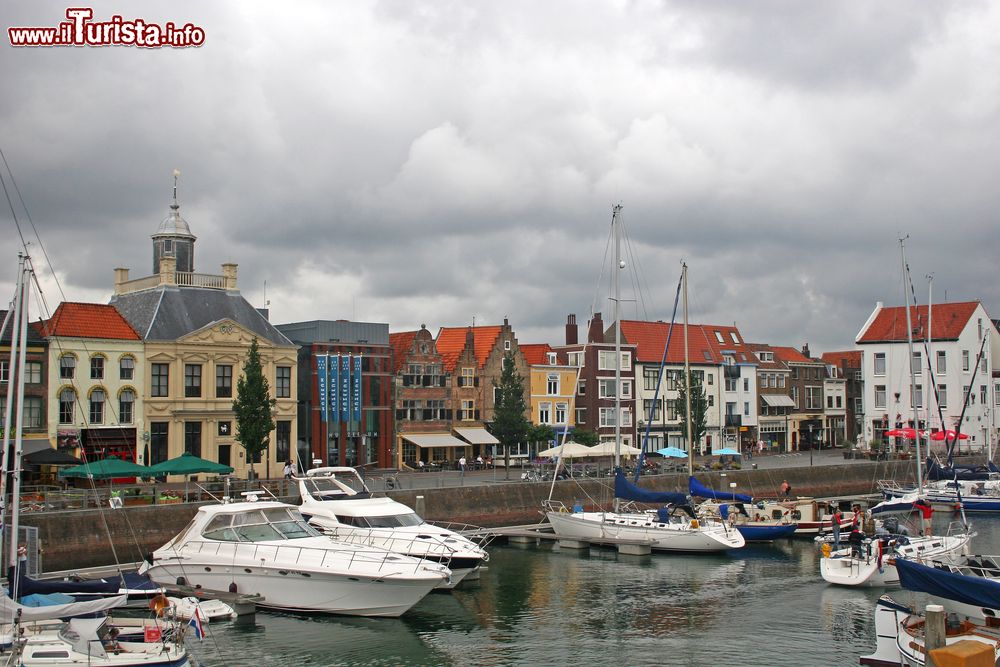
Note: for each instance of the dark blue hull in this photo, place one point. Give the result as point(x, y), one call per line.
point(766, 533)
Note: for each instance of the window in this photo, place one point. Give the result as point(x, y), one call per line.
point(159, 380)
point(996, 394)
point(880, 363)
point(730, 384)
point(97, 367)
point(732, 337)
point(283, 383)
point(283, 441)
point(552, 384)
point(814, 398)
point(711, 400)
point(97, 406)
point(552, 358)
point(561, 411)
point(746, 408)
point(983, 397)
point(829, 402)
point(67, 406)
point(192, 380)
point(673, 411)
point(942, 362)
point(626, 388)
point(158, 442)
point(795, 396)
point(626, 417)
point(33, 372)
point(506, 346)
point(965, 396)
point(574, 358)
point(4, 371)
point(858, 406)
point(581, 416)
point(965, 361)
point(223, 381)
point(880, 396)
point(942, 395)
point(581, 387)
point(32, 412)
point(915, 365)
point(409, 410)
point(544, 413)
point(795, 373)
point(781, 381)
point(920, 397)
point(126, 368)
point(606, 360)
point(718, 337)
point(468, 378)
point(607, 417)
point(765, 356)
point(648, 404)
point(67, 366)
point(649, 378)
point(710, 378)
point(468, 410)
point(192, 438)
point(606, 388)
point(126, 405)
point(746, 384)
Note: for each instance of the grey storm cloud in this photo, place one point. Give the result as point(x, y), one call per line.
point(444, 162)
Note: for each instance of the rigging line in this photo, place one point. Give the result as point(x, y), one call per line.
point(600, 277)
point(951, 444)
point(637, 274)
point(13, 213)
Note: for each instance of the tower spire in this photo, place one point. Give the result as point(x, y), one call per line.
point(177, 174)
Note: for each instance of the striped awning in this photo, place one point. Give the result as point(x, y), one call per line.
point(778, 400)
point(433, 440)
point(477, 436)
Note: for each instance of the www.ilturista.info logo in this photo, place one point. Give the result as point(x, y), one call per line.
point(80, 30)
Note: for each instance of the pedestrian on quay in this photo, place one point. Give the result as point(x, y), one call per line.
point(461, 464)
point(786, 488)
point(288, 470)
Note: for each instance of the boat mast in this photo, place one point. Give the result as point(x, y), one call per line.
point(619, 265)
point(17, 345)
point(913, 375)
point(687, 372)
point(931, 389)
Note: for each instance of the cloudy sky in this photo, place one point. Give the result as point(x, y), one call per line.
point(433, 162)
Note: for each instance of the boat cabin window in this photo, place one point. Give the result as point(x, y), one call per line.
point(391, 521)
point(277, 523)
point(327, 488)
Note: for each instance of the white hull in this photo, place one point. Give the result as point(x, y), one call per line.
point(712, 537)
point(872, 571)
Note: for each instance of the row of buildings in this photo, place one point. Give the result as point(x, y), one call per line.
point(154, 372)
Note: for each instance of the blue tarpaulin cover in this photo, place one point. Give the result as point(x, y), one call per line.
point(698, 489)
point(977, 591)
point(626, 490)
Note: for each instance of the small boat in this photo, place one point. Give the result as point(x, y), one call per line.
point(734, 512)
point(899, 633)
point(267, 548)
point(810, 516)
point(208, 610)
point(352, 514)
point(969, 586)
point(872, 562)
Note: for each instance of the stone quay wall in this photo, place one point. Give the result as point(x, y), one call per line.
point(91, 538)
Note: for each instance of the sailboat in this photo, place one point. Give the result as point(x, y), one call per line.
point(664, 529)
point(31, 636)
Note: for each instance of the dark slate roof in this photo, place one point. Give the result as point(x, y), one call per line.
point(34, 336)
point(169, 313)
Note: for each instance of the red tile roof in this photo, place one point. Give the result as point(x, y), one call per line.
point(536, 354)
point(947, 319)
point(703, 345)
point(451, 343)
point(89, 320)
point(401, 343)
point(852, 357)
point(790, 355)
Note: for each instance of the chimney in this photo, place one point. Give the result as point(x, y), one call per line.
point(168, 270)
point(572, 331)
point(595, 330)
point(229, 274)
point(805, 351)
point(121, 277)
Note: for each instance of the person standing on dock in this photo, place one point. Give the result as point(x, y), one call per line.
point(835, 520)
point(786, 488)
point(926, 515)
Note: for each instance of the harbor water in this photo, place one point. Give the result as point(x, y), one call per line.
point(762, 605)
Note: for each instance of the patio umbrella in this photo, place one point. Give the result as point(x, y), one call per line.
point(189, 464)
point(607, 448)
point(672, 452)
point(948, 435)
point(909, 433)
point(51, 457)
point(726, 451)
point(107, 469)
point(570, 450)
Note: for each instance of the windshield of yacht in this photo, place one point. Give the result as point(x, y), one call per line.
point(328, 488)
point(391, 521)
point(264, 525)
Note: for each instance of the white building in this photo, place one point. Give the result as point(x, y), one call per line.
point(959, 332)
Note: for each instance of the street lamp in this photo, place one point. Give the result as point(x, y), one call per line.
point(810, 444)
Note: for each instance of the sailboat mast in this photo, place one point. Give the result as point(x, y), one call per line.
point(687, 372)
point(17, 370)
point(931, 393)
point(619, 265)
point(913, 374)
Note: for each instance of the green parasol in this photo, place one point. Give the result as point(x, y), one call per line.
point(188, 464)
point(106, 469)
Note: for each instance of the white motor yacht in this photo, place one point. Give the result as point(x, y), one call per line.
point(267, 548)
point(336, 501)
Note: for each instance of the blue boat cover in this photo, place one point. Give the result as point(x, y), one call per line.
point(936, 471)
point(698, 489)
point(977, 591)
point(106, 586)
point(626, 490)
point(40, 600)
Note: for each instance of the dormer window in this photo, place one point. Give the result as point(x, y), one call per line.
point(552, 358)
point(168, 246)
point(718, 337)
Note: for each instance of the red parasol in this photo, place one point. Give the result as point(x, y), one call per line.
point(910, 433)
point(948, 435)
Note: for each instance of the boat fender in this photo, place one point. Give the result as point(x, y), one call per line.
point(694, 523)
point(181, 581)
point(563, 509)
point(233, 588)
point(826, 549)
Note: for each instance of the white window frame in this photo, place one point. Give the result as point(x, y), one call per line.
point(545, 412)
point(879, 390)
point(876, 358)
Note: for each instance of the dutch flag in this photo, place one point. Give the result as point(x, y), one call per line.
point(195, 623)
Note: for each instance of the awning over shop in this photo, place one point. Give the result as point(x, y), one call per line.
point(433, 440)
point(778, 400)
point(476, 436)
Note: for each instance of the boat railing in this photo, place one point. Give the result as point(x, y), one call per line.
point(414, 545)
point(302, 556)
point(891, 485)
point(481, 536)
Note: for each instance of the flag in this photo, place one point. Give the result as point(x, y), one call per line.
point(195, 623)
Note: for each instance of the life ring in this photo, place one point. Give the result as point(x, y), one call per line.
point(826, 549)
point(694, 523)
point(564, 510)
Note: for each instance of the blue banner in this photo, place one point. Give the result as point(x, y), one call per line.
point(334, 365)
point(356, 404)
point(345, 388)
point(322, 385)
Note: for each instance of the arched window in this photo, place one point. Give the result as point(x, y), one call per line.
point(67, 406)
point(97, 398)
point(126, 367)
point(67, 366)
point(126, 406)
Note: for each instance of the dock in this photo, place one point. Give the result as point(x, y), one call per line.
point(535, 533)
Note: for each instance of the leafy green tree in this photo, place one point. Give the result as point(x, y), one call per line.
point(585, 437)
point(541, 433)
point(510, 423)
point(253, 407)
point(699, 409)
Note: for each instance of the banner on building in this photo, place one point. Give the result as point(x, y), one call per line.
point(356, 389)
point(334, 364)
point(345, 388)
point(322, 385)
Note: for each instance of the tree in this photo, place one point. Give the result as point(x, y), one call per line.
point(541, 433)
point(510, 425)
point(699, 409)
point(253, 407)
point(585, 437)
